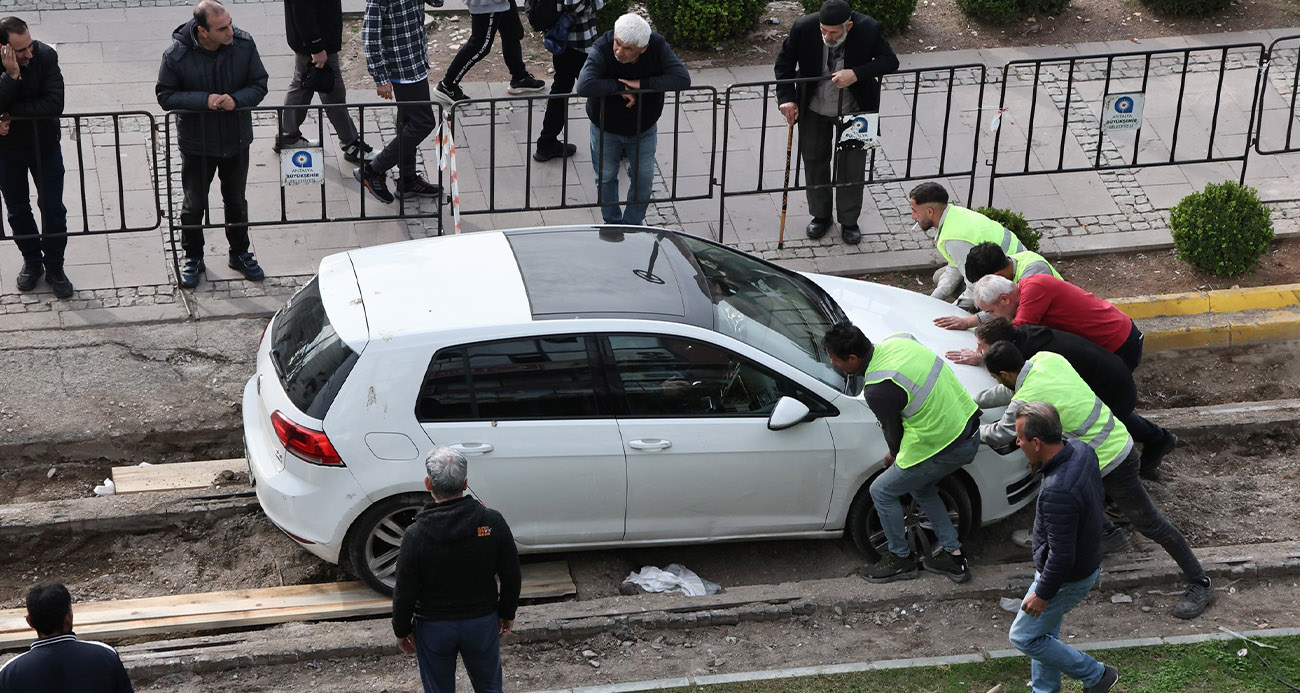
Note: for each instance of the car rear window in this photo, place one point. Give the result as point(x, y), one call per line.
point(309, 357)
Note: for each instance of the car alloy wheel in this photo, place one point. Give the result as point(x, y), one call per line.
point(376, 538)
point(865, 529)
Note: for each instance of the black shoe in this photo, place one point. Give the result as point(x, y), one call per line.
point(818, 228)
point(546, 152)
point(30, 274)
point(1198, 597)
point(190, 272)
point(1109, 677)
point(247, 265)
point(953, 567)
point(448, 95)
point(292, 143)
point(525, 85)
point(889, 569)
point(851, 234)
point(376, 183)
point(59, 282)
point(1153, 453)
point(416, 186)
point(1115, 542)
point(358, 152)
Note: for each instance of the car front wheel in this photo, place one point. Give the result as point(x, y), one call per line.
point(868, 535)
point(376, 538)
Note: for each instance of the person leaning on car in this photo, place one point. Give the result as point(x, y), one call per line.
point(446, 600)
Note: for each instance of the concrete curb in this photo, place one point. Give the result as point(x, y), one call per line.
point(1218, 301)
point(1221, 329)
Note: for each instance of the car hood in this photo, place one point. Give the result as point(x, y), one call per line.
point(880, 311)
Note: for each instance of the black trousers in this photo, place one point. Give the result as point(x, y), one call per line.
point(567, 67)
point(817, 138)
point(196, 180)
point(483, 29)
point(1130, 352)
point(46, 170)
point(414, 123)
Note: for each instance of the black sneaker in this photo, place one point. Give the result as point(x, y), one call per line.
point(1115, 541)
point(30, 274)
point(376, 183)
point(1153, 453)
point(953, 567)
point(292, 143)
point(190, 272)
point(247, 265)
point(448, 95)
point(1198, 597)
point(525, 85)
point(416, 186)
point(358, 152)
point(890, 568)
point(851, 234)
point(546, 152)
point(59, 282)
point(1109, 677)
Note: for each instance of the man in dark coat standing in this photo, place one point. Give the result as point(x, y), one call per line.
point(314, 30)
point(211, 69)
point(850, 47)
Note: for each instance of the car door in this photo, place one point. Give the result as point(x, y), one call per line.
point(527, 415)
point(701, 462)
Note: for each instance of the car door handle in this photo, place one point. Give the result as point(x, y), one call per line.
point(650, 444)
point(471, 448)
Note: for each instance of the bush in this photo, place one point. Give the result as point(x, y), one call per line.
point(1015, 223)
point(703, 24)
point(1190, 8)
point(1007, 11)
point(1222, 229)
point(893, 15)
point(607, 15)
point(1045, 7)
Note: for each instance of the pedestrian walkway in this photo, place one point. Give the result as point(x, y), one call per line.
point(110, 57)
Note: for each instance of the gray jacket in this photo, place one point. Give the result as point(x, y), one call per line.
point(189, 73)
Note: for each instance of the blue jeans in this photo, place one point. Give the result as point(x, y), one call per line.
point(921, 482)
point(1036, 636)
point(46, 169)
point(479, 644)
point(607, 150)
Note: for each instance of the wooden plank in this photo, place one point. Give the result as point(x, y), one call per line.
point(544, 580)
point(174, 476)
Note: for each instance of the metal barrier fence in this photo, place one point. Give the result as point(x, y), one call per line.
point(1282, 70)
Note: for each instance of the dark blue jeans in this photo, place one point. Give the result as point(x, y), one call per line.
point(479, 644)
point(46, 169)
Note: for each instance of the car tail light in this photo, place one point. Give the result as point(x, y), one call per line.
point(307, 444)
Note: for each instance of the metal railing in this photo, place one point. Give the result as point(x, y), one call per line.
point(1283, 69)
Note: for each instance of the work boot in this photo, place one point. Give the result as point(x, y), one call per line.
point(375, 182)
point(955, 567)
point(1153, 453)
point(30, 274)
point(59, 282)
point(818, 228)
point(890, 568)
point(1115, 541)
point(1198, 597)
point(190, 272)
point(554, 150)
point(247, 265)
point(1109, 677)
point(851, 234)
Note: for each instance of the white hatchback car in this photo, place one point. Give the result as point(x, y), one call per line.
point(611, 387)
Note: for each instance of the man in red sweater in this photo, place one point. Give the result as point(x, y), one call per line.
point(1045, 300)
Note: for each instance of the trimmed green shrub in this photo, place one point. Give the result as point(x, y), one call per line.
point(1190, 8)
point(992, 11)
point(607, 15)
point(893, 15)
point(703, 24)
point(1045, 7)
point(1015, 223)
point(1223, 229)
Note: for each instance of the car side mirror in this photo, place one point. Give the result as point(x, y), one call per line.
point(787, 413)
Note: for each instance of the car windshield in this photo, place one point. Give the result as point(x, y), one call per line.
point(769, 308)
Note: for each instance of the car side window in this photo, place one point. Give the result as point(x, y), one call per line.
point(529, 378)
point(671, 376)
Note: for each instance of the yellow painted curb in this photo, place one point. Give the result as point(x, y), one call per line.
point(1225, 330)
point(1217, 301)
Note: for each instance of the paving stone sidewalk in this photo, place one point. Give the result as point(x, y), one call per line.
point(109, 53)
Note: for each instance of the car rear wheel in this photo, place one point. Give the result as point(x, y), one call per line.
point(376, 537)
point(868, 535)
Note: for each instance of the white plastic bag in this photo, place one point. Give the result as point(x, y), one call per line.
point(673, 578)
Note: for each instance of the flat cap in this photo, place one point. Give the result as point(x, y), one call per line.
point(834, 12)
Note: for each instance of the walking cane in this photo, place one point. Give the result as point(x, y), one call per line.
point(785, 187)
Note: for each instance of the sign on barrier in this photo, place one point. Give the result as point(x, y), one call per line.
point(1122, 111)
point(302, 166)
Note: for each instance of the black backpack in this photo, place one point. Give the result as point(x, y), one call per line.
point(542, 14)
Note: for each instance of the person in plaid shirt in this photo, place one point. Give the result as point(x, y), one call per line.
point(397, 57)
point(568, 64)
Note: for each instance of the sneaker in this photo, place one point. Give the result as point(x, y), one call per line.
point(890, 568)
point(1198, 597)
point(30, 274)
point(1109, 677)
point(1022, 538)
point(59, 282)
point(416, 186)
point(448, 95)
point(1153, 453)
point(190, 272)
point(1115, 541)
point(955, 567)
point(375, 182)
point(292, 143)
point(358, 152)
point(525, 85)
point(546, 152)
point(247, 265)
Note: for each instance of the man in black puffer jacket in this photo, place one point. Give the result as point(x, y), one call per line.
point(446, 598)
point(210, 69)
point(1067, 550)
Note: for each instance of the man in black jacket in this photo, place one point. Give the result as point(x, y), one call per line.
point(211, 69)
point(314, 30)
point(1067, 550)
point(446, 600)
point(58, 662)
point(623, 125)
point(31, 85)
point(850, 48)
